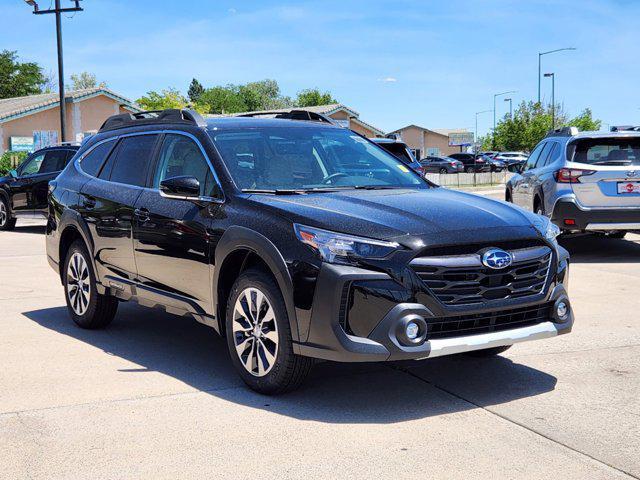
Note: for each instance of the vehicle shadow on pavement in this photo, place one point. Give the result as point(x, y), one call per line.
point(600, 249)
point(333, 393)
point(35, 229)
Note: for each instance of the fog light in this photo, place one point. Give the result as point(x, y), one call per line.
point(562, 309)
point(412, 330)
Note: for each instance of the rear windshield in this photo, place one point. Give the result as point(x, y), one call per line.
point(313, 158)
point(605, 151)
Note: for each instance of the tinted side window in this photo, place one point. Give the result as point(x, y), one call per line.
point(132, 160)
point(533, 158)
point(32, 165)
point(181, 156)
point(92, 162)
point(54, 161)
point(70, 154)
point(553, 155)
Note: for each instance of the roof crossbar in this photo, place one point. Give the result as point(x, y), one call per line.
point(173, 115)
point(294, 114)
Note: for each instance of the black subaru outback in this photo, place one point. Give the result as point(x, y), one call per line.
point(297, 240)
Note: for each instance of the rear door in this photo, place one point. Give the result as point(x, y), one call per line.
point(107, 204)
point(612, 171)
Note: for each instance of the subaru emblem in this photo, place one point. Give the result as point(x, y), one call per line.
point(631, 173)
point(496, 258)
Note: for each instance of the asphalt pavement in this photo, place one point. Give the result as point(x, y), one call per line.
point(155, 396)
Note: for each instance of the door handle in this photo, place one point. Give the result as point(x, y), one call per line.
point(141, 213)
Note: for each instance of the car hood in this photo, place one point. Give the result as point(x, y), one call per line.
point(409, 216)
point(5, 179)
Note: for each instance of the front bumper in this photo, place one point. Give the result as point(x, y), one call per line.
point(327, 337)
point(593, 219)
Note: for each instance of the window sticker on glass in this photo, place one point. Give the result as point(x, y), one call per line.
point(403, 168)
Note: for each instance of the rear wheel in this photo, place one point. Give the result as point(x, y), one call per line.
point(87, 307)
point(469, 169)
point(539, 207)
point(488, 352)
point(6, 221)
point(259, 336)
point(443, 170)
point(508, 197)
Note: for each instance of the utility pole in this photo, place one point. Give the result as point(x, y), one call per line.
point(540, 63)
point(553, 98)
point(58, 11)
point(493, 134)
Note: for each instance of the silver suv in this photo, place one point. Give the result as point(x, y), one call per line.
point(583, 181)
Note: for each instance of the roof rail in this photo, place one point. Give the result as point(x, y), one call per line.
point(295, 114)
point(172, 115)
point(625, 128)
point(563, 132)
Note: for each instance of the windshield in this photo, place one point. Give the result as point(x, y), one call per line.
point(309, 158)
point(606, 151)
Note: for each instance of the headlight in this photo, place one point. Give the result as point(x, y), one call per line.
point(548, 229)
point(341, 248)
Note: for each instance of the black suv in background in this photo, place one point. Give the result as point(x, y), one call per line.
point(23, 193)
point(472, 163)
point(296, 240)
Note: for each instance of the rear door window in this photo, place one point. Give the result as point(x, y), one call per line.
point(552, 156)
point(92, 162)
point(533, 158)
point(54, 161)
point(130, 161)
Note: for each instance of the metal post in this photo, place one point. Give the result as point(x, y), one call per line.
point(553, 101)
point(63, 107)
point(539, 73)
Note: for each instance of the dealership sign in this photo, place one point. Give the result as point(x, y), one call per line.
point(461, 139)
point(21, 144)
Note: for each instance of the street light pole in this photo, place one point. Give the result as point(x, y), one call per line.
point(540, 63)
point(553, 98)
point(493, 135)
point(475, 135)
point(58, 11)
point(510, 106)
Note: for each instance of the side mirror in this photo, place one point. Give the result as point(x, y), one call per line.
point(184, 187)
point(13, 173)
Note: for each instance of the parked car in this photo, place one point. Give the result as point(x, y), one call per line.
point(514, 160)
point(23, 193)
point(433, 164)
point(494, 165)
point(296, 240)
point(400, 149)
point(587, 181)
point(472, 163)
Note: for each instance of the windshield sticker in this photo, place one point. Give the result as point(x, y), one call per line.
point(403, 168)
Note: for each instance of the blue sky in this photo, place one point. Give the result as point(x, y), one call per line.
point(432, 63)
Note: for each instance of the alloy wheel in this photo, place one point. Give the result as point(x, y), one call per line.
point(255, 332)
point(78, 284)
point(3, 214)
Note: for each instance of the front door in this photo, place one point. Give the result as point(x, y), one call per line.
point(522, 188)
point(21, 187)
point(172, 237)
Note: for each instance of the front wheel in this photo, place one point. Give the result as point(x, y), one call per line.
point(87, 307)
point(443, 170)
point(259, 336)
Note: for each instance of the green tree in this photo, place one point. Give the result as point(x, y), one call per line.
point(585, 121)
point(222, 100)
point(195, 90)
point(263, 95)
point(168, 98)
point(80, 81)
point(311, 97)
point(19, 79)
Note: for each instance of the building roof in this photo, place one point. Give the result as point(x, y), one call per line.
point(12, 108)
point(439, 131)
point(321, 109)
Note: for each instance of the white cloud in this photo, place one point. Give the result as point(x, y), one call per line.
point(388, 79)
point(232, 11)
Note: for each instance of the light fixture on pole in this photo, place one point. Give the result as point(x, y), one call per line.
point(493, 135)
point(553, 98)
point(540, 63)
point(475, 135)
point(510, 106)
point(58, 11)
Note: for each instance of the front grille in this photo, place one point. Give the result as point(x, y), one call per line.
point(464, 280)
point(475, 324)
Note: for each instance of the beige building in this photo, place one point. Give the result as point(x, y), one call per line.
point(427, 142)
point(37, 117)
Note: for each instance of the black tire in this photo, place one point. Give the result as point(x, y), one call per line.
point(443, 170)
point(488, 352)
point(7, 222)
point(619, 234)
point(508, 197)
point(539, 206)
point(100, 309)
point(469, 169)
point(288, 370)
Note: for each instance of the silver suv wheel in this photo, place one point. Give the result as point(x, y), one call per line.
point(255, 332)
point(3, 214)
point(78, 284)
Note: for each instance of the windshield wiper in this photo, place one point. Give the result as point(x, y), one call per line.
point(277, 191)
point(374, 187)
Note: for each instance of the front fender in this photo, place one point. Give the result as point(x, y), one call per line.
point(242, 238)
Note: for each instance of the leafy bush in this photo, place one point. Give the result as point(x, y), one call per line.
point(10, 160)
